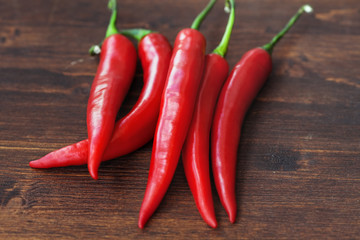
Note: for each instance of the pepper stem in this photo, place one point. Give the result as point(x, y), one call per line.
point(198, 20)
point(269, 46)
point(112, 24)
point(221, 49)
point(136, 33)
point(111, 29)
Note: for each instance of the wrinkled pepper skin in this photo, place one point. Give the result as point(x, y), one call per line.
point(136, 128)
point(240, 89)
point(176, 110)
point(196, 149)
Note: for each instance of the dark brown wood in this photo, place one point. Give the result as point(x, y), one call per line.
point(299, 164)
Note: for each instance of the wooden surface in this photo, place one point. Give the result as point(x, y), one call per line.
point(298, 174)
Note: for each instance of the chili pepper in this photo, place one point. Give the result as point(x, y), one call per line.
point(195, 153)
point(110, 86)
point(138, 126)
point(239, 90)
point(176, 110)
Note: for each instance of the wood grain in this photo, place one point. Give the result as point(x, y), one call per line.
point(298, 162)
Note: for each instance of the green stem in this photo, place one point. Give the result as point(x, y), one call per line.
point(269, 46)
point(95, 49)
point(221, 49)
point(136, 33)
point(112, 24)
point(198, 20)
point(111, 29)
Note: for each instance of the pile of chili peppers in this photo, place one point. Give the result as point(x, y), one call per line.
point(189, 105)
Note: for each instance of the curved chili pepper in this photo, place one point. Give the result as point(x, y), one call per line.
point(109, 88)
point(240, 89)
point(195, 153)
point(138, 126)
point(176, 110)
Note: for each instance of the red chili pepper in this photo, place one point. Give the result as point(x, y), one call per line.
point(176, 110)
point(138, 126)
point(195, 153)
point(110, 86)
point(240, 89)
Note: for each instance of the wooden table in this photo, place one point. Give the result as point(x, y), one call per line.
point(298, 173)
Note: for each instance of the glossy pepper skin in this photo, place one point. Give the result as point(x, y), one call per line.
point(195, 153)
point(240, 89)
point(138, 126)
point(176, 110)
point(112, 81)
